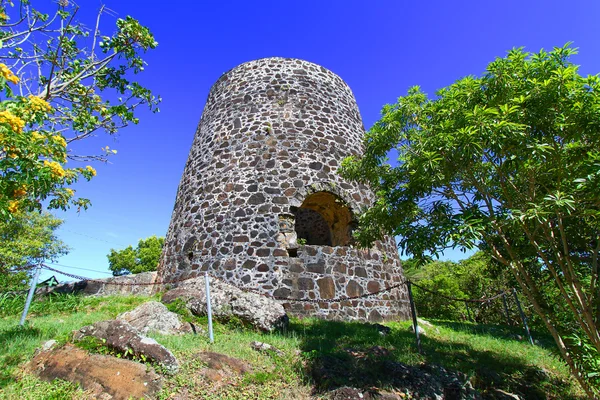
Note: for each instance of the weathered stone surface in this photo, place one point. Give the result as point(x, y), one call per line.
point(353, 289)
point(106, 286)
point(261, 203)
point(266, 348)
point(498, 394)
point(422, 331)
point(228, 301)
point(326, 288)
point(154, 316)
point(120, 335)
point(103, 376)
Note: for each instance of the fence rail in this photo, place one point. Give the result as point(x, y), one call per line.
point(406, 283)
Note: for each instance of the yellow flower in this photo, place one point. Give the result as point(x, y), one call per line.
point(15, 123)
point(91, 170)
point(21, 191)
point(56, 168)
point(11, 151)
point(37, 104)
point(70, 192)
point(58, 139)
point(37, 136)
point(8, 74)
point(13, 206)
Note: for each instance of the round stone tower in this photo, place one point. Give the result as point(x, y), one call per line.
point(260, 203)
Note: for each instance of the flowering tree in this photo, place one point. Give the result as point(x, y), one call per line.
point(62, 82)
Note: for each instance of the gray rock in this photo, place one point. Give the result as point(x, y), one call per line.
point(121, 336)
point(49, 345)
point(229, 302)
point(266, 348)
point(421, 330)
point(502, 395)
point(382, 329)
point(155, 317)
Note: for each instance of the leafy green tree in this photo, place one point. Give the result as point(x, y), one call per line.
point(509, 162)
point(26, 241)
point(476, 277)
point(63, 82)
point(141, 259)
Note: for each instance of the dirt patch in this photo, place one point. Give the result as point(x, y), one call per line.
point(121, 379)
point(221, 368)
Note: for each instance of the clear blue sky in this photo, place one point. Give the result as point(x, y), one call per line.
point(380, 48)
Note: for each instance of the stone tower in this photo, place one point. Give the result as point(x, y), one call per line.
point(260, 203)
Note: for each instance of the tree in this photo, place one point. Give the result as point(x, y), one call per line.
point(509, 162)
point(26, 241)
point(141, 259)
point(476, 277)
point(62, 82)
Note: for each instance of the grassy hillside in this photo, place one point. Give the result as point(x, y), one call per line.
point(318, 355)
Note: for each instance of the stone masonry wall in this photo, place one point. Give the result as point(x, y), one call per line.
point(273, 132)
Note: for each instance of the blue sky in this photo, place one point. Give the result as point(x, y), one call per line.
point(380, 48)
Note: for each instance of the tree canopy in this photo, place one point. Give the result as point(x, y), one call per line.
point(141, 259)
point(26, 241)
point(509, 162)
point(62, 82)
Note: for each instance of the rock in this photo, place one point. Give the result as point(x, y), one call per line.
point(155, 317)
point(421, 330)
point(105, 376)
point(425, 381)
point(498, 394)
point(49, 345)
point(424, 323)
point(228, 301)
point(266, 348)
point(348, 393)
point(121, 336)
point(382, 329)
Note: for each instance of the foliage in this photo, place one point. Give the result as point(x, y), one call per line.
point(62, 83)
point(141, 259)
point(476, 277)
point(510, 162)
point(27, 240)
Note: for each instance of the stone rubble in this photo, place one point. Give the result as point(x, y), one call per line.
point(153, 316)
point(123, 337)
point(230, 302)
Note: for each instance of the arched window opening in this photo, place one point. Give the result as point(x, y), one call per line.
point(323, 219)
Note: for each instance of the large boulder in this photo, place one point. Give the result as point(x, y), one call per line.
point(155, 317)
point(103, 376)
point(121, 336)
point(228, 302)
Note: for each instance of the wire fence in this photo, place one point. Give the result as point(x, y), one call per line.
point(243, 289)
point(406, 282)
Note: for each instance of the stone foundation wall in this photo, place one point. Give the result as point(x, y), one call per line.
point(325, 272)
point(273, 132)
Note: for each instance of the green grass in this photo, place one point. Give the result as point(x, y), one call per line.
point(486, 354)
point(53, 318)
